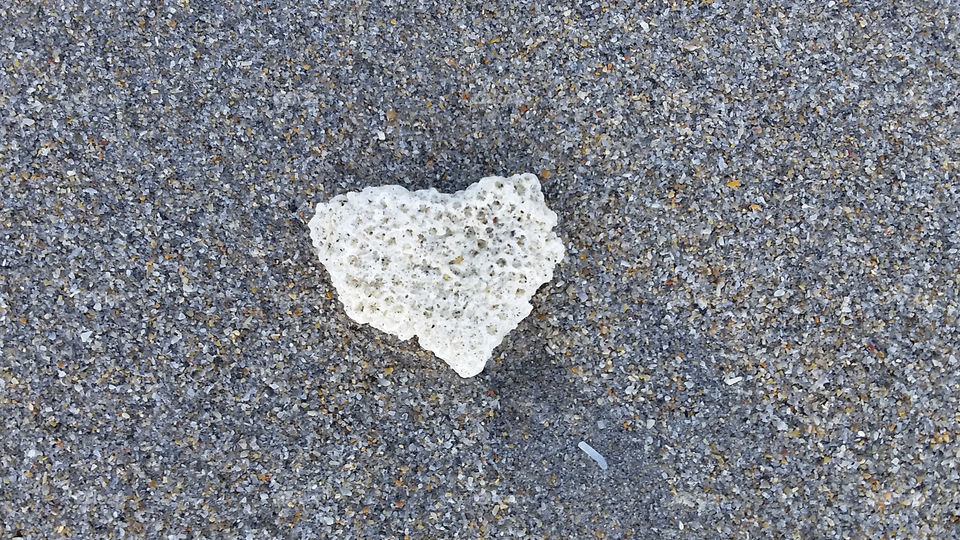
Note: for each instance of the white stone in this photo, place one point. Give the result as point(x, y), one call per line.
point(456, 270)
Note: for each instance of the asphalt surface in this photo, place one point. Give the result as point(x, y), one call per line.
point(754, 327)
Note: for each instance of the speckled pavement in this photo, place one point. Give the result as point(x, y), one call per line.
point(755, 324)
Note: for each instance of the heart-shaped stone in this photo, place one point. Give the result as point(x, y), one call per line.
point(456, 270)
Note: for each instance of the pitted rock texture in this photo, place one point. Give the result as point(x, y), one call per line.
point(456, 270)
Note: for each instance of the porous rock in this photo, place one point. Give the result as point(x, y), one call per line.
point(455, 270)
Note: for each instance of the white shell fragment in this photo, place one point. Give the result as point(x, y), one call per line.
point(457, 271)
point(594, 455)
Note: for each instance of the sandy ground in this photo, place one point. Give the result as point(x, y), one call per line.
point(755, 323)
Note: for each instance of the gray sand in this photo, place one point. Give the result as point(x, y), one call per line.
point(755, 324)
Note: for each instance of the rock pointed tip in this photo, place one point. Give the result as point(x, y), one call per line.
point(470, 371)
